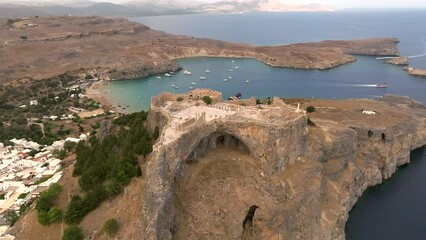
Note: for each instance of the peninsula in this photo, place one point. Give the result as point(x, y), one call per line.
point(114, 49)
point(305, 170)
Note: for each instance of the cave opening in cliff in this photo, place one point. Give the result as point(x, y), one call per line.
point(217, 187)
point(217, 141)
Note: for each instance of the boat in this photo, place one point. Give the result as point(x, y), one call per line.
point(224, 80)
point(247, 81)
point(230, 70)
point(191, 88)
point(233, 61)
point(176, 87)
point(202, 78)
point(381, 85)
point(237, 67)
point(207, 71)
point(167, 75)
point(193, 83)
point(186, 72)
point(158, 77)
point(172, 73)
point(172, 85)
point(229, 77)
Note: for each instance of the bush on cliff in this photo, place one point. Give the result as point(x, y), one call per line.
point(44, 206)
point(73, 232)
point(207, 100)
point(310, 109)
point(111, 227)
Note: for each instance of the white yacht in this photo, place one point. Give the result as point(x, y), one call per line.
point(167, 75)
point(207, 71)
point(193, 83)
point(224, 80)
point(247, 81)
point(202, 78)
point(186, 72)
point(237, 67)
point(158, 77)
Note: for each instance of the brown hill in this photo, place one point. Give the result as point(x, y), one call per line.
point(119, 49)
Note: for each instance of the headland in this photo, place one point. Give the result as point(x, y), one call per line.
point(305, 170)
point(114, 49)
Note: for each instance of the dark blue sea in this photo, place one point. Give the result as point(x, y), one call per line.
point(393, 210)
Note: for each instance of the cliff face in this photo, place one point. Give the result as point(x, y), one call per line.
point(310, 176)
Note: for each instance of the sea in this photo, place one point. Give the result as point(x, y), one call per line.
point(395, 209)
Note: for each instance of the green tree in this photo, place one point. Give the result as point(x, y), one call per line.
point(10, 216)
point(73, 232)
point(69, 146)
point(207, 100)
point(43, 218)
point(114, 188)
point(310, 109)
point(55, 215)
point(111, 227)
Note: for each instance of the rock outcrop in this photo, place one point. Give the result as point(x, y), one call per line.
point(417, 72)
point(401, 61)
point(312, 176)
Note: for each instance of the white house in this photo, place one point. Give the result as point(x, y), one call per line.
point(33, 102)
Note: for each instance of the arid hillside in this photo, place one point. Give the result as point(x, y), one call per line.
point(119, 49)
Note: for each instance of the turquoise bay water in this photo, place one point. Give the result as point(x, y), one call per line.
point(393, 210)
point(355, 80)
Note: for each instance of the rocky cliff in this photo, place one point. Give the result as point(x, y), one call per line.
point(308, 178)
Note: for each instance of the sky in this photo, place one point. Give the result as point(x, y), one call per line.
point(337, 3)
point(340, 4)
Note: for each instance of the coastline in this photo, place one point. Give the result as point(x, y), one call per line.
point(94, 92)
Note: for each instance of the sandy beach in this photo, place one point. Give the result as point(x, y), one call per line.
point(94, 92)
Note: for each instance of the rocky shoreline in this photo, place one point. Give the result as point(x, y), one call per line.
point(417, 72)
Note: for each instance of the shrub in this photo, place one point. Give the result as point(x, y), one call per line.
point(55, 215)
point(44, 205)
point(111, 227)
point(179, 99)
point(207, 100)
point(43, 218)
point(310, 109)
point(73, 232)
point(10, 216)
